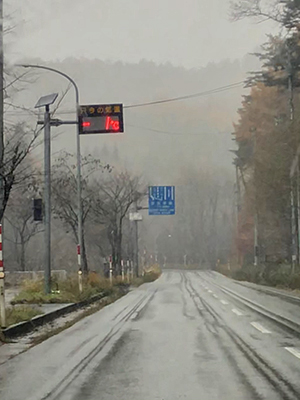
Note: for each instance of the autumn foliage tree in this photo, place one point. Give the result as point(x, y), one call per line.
point(267, 133)
point(266, 145)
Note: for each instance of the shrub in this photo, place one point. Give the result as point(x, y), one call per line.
point(151, 276)
point(67, 291)
point(278, 275)
point(294, 281)
point(136, 282)
point(21, 313)
point(35, 286)
point(249, 273)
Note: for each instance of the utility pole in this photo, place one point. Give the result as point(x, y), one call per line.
point(238, 191)
point(45, 101)
point(253, 130)
point(2, 287)
point(237, 208)
point(294, 197)
point(136, 240)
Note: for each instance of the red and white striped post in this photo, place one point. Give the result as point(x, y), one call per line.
point(2, 291)
point(128, 271)
point(131, 269)
point(78, 256)
point(110, 269)
point(122, 270)
point(79, 269)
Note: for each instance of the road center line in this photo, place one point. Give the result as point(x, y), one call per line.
point(293, 351)
point(210, 291)
point(215, 296)
point(224, 302)
point(237, 312)
point(259, 327)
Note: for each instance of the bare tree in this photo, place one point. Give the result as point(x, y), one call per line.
point(64, 193)
point(22, 228)
point(258, 9)
point(285, 12)
point(112, 200)
point(19, 142)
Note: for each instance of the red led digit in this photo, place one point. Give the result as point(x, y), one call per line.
point(86, 124)
point(107, 123)
point(115, 125)
point(110, 124)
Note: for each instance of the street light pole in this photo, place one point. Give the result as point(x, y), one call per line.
point(79, 187)
point(45, 101)
point(47, 199)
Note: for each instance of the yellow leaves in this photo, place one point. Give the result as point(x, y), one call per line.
point(259, 111)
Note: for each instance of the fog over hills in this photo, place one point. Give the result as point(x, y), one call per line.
point(158, 139)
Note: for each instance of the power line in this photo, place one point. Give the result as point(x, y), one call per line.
point(189, 96)
point(170, 133)
point(167, 100)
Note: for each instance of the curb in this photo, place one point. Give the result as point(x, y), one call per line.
point(27, 326)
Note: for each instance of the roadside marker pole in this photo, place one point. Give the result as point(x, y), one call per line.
point(131, 262)
point(110, 270)
point(2, 292)
point(79, 269)
point(128, 271)
point(122, 267)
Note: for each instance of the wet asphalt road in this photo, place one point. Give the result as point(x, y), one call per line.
point(180, 337)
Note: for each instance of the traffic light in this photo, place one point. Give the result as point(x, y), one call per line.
point(37, 209)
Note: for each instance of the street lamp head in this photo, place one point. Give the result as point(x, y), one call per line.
point(23, 65)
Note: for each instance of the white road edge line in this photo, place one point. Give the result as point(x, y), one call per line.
point(259, 327)
point(237, 312)
point(293, 351)
point(224, 302)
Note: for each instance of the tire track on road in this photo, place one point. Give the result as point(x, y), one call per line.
point(65, 380)
point(280, 383)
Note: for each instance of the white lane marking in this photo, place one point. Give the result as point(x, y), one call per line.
point(210, 291)
point(237, 312)
point(259, 327)
point(134, 315)
point(215, 296)
point(205, 287)
point(224, 302)
point(293, 351)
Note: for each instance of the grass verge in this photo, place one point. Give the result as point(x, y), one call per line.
point(115, 295)
point(67, 291)
point(21, 313)
point(276, 275)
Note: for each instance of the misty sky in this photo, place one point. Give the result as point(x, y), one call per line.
point(184, 32)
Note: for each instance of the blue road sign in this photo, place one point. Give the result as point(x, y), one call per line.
point(161, 200)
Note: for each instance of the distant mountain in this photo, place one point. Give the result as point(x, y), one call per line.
point(158, 139)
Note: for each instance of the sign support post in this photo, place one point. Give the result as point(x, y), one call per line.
point(2, 292)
